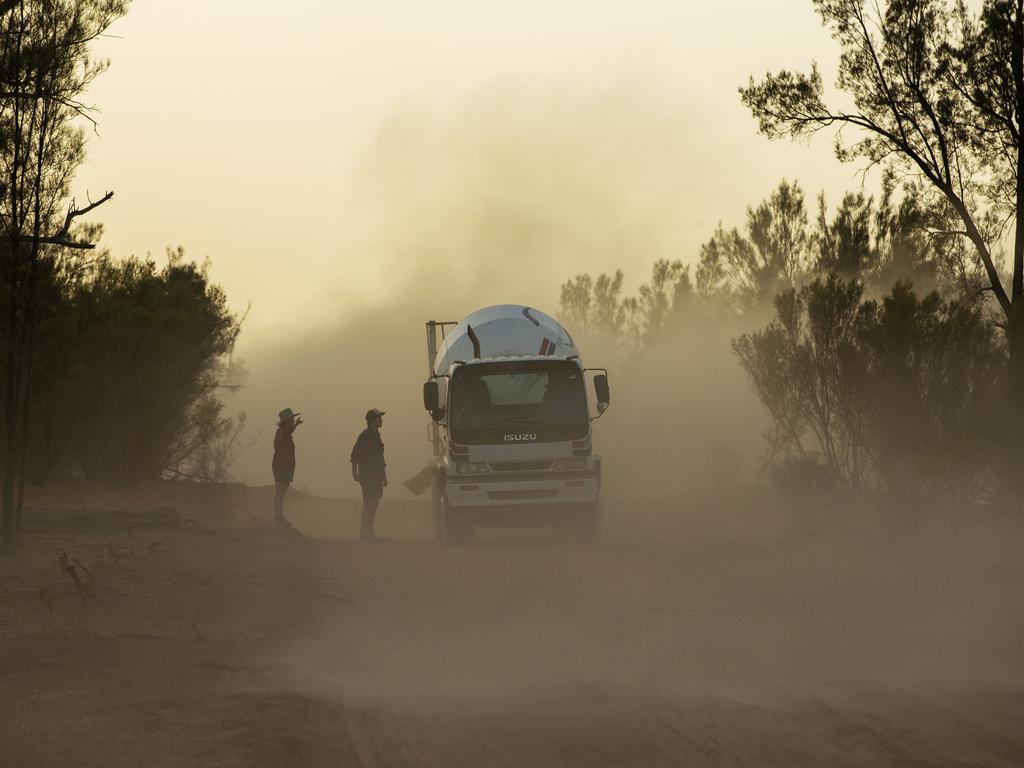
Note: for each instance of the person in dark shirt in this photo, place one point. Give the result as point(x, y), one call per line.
point(370, 470)
point(283, 464)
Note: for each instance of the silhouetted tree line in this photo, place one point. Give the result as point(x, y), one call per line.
point(45, 71)
point(936, 94)
point(108, 369)
point(881, 366)
point(901, 394)
point(130, 359)
point(895, 352)
point(782, 246)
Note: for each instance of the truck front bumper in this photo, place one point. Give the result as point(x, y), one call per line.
point(551, 488)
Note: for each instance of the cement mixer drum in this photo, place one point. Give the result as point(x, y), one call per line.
point(503, 331)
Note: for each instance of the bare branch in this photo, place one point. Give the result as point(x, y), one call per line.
point(73, 245)
point(73, 214)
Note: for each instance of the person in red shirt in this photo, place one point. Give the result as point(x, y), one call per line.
point(284, 459)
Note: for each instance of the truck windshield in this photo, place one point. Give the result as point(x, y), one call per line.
point(544, 398)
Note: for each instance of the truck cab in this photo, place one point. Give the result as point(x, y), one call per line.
point(512, 425)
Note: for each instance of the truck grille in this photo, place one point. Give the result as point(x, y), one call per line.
point(520, 466)
point(540, 493)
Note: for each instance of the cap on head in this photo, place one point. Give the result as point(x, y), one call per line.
point(285, 416)
point(373, 413)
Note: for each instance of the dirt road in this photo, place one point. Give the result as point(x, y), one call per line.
point(242, 646)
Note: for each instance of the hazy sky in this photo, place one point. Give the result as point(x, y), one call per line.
point(255, 133)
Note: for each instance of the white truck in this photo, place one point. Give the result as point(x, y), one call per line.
point(511, 425)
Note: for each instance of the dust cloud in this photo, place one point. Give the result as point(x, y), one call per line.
point(710, 616)
point(522, 188)
point(716, 623)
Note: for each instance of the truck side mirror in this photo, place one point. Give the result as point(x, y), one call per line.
point(431, 396)
point(604, 395)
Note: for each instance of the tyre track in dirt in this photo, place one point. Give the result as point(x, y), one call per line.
point(524, 652)
point(675, 650)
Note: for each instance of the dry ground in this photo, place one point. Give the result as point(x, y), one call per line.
point(214, 638)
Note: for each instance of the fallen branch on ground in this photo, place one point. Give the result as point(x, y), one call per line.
point(81, 575)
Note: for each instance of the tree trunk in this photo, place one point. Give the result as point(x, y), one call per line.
point(25, 398)
point(10, 467)
point(10, 545)
point(1015, 345)
point(1013, 422)
point(10, 524)
point(1017, 287)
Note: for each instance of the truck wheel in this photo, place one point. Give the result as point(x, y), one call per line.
point(454, 531)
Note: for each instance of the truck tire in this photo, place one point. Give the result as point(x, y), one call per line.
point(454, 530)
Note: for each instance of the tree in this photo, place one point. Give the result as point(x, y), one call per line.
point(906, 248)
point(896, 394)
point(597, 308)
point(934, 371)
point(131, 362)
point(659, 303)
point(884, 243)
point(45, 68)
point(148, 364)
point(593, 306)
point(773, 255)
point(938, 93)
point(845, 246)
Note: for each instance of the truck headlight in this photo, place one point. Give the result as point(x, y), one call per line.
point(472, 468)
point(570, 464)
